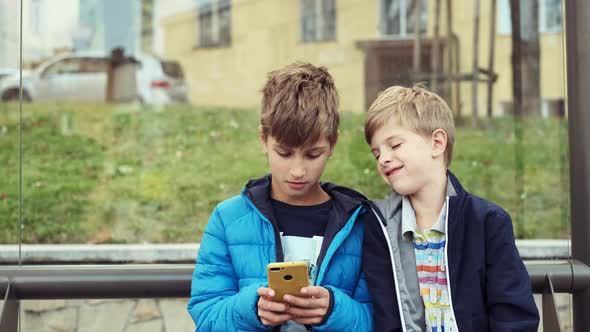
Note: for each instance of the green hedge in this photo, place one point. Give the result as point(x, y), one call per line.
point(102, 173)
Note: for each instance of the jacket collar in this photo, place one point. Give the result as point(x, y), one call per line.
point(346, 200)
point(389, 207)
point(345, 203)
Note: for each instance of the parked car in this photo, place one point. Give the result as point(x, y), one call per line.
point(83, 77)
point(5, 72)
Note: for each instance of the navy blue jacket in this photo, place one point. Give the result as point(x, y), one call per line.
point(490, 287)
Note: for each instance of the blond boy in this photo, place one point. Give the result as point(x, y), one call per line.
point(440, 259)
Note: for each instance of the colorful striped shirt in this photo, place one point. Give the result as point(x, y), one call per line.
point(429, 248)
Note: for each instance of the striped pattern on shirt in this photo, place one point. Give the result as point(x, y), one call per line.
point(430, 265)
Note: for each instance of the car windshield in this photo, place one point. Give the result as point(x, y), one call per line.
point(172, 69)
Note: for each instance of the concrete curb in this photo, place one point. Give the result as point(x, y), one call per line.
point(187, 253)
point(107, 253)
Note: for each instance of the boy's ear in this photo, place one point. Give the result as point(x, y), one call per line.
point(439, 142)
point(263, 139)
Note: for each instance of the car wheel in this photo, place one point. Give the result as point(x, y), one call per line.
point(13, 95)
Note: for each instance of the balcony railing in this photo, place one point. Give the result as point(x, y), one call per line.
point(173, 281)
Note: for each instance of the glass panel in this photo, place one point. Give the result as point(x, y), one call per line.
point(124, 171)
point(411, 17)
point(551, 16)
point(206, 26)
point(9, 122)
point(133, 133)
point(329, 17)
point(308, 20)
point(391, 17)
point(225, 22)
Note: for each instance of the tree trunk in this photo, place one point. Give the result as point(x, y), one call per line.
point(449, 60)
point(517, 109)
point(417, 38)
point(491, 59)
point(435, 60)
point(530, 57)
point(516, 58)
point(475, 69)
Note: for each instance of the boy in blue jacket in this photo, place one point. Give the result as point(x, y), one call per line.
point(439, 258)
point(287, 216)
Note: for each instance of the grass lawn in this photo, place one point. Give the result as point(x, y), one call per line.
point(122, 174)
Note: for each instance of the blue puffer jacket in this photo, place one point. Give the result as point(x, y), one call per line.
point(241, 238)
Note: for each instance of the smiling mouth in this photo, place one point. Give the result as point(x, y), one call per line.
point(392, 170)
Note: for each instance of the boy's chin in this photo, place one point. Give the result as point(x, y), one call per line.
point(398, 187)
point(402, 190)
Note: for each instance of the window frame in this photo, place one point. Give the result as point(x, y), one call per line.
point(505, 25)
point(211, 32)
point(322, 29)
point(403, 20)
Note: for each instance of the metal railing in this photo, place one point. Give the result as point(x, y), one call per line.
point(42, 282)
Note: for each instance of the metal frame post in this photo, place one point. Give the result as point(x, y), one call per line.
point(9, 311)
point(577, 37)
point(550, 315)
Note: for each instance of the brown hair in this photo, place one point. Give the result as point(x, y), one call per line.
point(417, 108)
point(300, 105)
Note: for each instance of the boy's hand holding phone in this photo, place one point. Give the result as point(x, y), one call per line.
point(271, 312)
point(311, 307)
point(289, 296)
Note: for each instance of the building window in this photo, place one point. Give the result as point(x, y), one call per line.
point(550, 19)
point(214, 23)
point(550, 16)
point(318, 20)
point(397, 18)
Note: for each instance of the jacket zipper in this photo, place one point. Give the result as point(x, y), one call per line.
point(447, 266)
point(279, 255)
point(329, 254)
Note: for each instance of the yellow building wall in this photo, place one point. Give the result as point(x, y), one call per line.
point(266, 34)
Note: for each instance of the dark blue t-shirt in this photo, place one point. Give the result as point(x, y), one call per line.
point(302, 221)
point(302, 231)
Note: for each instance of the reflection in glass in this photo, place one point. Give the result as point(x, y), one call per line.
point(186, 83)
point(9, 135)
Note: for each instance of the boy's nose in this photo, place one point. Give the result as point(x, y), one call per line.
point(384, 159)
point(297, 172)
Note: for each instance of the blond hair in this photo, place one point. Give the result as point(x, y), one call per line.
point(300, 105)
point(416, 108)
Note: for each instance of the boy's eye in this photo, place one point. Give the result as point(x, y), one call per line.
point(283, 153)
point(395, 146)
point(376, 157)
point(313, 156)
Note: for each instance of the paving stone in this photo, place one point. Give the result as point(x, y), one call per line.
point(151, 326)
point(61, 320)
point(42, 305)
point(175, 316)
point(108, 316)
point(146, 310)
